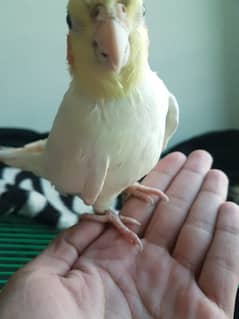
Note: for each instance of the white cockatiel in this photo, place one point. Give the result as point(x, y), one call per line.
point(115, 118)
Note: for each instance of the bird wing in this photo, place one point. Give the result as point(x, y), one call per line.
point(94, 175)
point(172, 119)
point(77, 171)
point(76, 162)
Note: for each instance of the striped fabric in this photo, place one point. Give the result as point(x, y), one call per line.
point(21, 239)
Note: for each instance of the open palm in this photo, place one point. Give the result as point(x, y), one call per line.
point(189, 267)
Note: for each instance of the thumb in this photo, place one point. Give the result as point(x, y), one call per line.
point(62, 253)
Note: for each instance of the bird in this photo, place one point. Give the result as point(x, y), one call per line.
point(115, 118)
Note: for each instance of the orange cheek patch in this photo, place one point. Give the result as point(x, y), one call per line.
point(70, 58)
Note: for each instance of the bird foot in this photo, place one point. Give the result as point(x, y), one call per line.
point(118, 222)
point(145, 193)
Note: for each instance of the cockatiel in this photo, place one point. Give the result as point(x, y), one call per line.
point(115, 118)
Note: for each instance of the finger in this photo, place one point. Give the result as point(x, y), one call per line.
point(160, 177)
point(197, 232)
point(169, 216)
point(220, 273)
point(63, 252)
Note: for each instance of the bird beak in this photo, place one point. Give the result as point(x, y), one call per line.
point(112, 44)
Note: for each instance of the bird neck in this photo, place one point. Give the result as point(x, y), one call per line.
point(108, 86)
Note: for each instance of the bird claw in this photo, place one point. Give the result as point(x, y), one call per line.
point(145, 193)
point(129, 220)
point(119, 223)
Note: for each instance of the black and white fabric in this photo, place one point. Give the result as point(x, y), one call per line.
point(25, 194)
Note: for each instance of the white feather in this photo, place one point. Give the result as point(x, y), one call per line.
point(97, 149)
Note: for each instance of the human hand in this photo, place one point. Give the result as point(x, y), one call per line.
point(189, 268)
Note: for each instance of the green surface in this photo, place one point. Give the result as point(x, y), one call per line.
point(21, 239)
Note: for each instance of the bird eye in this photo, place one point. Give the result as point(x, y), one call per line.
point(144, 10)
point(95, 12)
point(122, 7)
point(68, 21)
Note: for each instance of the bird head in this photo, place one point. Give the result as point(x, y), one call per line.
point(107, 45)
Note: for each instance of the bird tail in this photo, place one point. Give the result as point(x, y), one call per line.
point(28, 158)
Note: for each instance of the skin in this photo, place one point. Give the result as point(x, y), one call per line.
point(189, 268)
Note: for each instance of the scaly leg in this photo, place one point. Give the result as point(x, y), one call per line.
point(145, 193)
point(118, 222)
